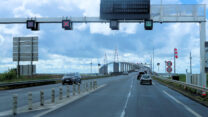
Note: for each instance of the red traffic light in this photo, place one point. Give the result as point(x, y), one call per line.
point(67, 24)
point(175, 49)
point(176, 56)
point(176, 52)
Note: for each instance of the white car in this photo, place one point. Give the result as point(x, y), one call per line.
point(146, 79)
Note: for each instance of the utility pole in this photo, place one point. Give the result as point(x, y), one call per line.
point(151, 63)
point(190, 63)
point(174, 64)
point(153, 59)
point(98, 65)
point(91, 66)
point(165, 66)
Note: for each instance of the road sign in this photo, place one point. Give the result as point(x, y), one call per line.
point(169, 69)
point(169, 63)
point(27, 70)
point(67, 24)
point(125, 9)
point(25, 49)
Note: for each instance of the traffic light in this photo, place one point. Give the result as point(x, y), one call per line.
point(33, 25)
point(67, 24)
point(176, 53)
point(114, 25)
point(148, 24)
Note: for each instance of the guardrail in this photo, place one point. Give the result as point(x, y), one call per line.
point(186, 84)
point(47, 81)
point(29, 82)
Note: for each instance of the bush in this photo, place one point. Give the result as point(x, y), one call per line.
point(11, 74)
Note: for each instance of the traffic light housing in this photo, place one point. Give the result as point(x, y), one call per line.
point(67, 24)
point(114, 25)
point(33, 25)
point(148, 24)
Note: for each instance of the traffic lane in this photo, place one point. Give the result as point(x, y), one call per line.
point(151, 101)
point(106, 102)
point(6, 96)
point(195, 106)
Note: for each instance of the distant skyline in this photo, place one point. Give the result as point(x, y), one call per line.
point(63, 51)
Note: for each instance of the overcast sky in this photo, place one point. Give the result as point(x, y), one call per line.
point(63, 51)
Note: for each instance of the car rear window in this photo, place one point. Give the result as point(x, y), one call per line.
point(146, 76)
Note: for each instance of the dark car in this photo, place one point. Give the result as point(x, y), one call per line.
point(146, 79)
point(77, 78)
point(140, 75)
point(72, 78)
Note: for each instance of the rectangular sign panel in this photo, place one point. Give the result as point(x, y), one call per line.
point(125, 9)
point(27, 70)
point(25, 49)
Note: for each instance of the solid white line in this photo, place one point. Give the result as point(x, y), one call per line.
point(185, 106)
point(129, 94)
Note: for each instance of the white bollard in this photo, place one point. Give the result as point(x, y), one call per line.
point(67, 92)
point(74, 90)
point(53, 95)
point(15, 104)
point(95, 84)
point(41, 98)
point(87, 86)
point(60, 93)
point(91, 85)
point(29, 101)
point(78, 88)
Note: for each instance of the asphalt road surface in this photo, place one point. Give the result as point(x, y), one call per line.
point(6, 96)
point(125, 97)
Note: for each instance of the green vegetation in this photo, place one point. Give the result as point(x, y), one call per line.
point(11, 76)
point(182, 77)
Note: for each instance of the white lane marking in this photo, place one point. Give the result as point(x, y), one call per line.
point(129, 94)
point(185, 106)
point(153, 83)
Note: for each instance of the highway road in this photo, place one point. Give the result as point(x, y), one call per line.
point(125, 97)
point(6, 96)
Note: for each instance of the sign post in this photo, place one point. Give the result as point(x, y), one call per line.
point(169, 67)
point(175, 57)
point(25, 49)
